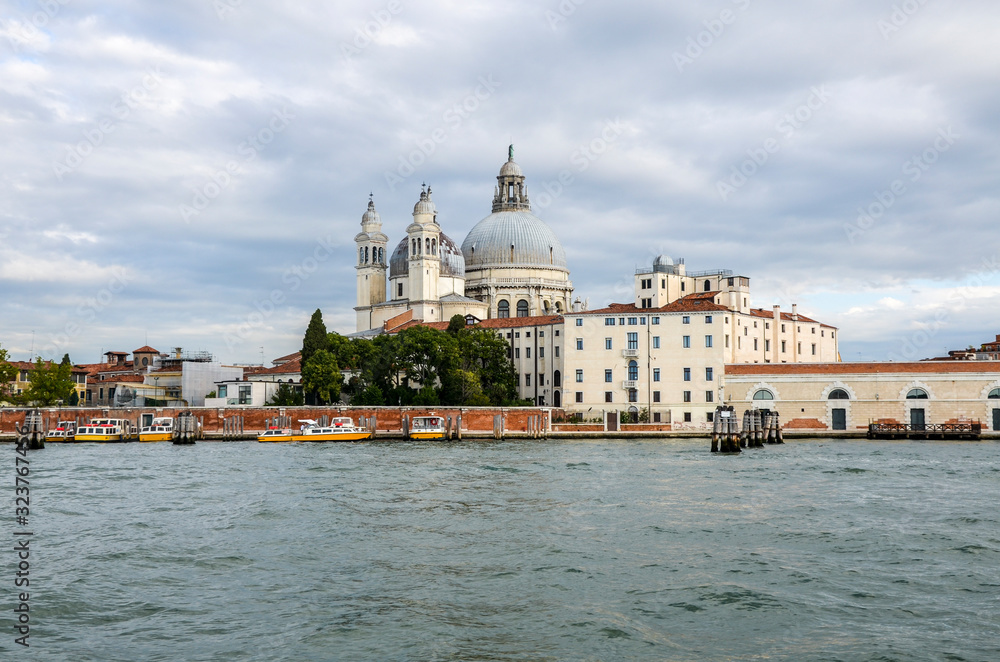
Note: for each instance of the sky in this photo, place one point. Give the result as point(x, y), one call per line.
point(192, 174)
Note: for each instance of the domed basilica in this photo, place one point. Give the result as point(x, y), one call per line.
point(510, 265)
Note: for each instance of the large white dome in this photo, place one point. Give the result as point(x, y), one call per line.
point(512, 239)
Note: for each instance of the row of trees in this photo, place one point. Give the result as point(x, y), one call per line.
point(418, 366)
point(49, 383)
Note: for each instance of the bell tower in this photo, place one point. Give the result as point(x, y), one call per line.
point(424, 235)
point(371, 263)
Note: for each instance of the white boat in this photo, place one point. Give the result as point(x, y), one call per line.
point(427, 427)
point(64, 431)
point(161, 429)
point(339, 429)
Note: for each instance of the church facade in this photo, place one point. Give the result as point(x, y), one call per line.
point(510, 265)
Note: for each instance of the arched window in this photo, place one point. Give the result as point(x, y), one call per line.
point(994, 394)
point(763, 394)
point(556, 379)
point(366, 255)
point(559, 308)
point(381, 256)
point(708, 285)
point(838, 394)
point(545, 307)
point(633, 371)
point(503, 309)
point(522, 308)
point(916, 394)
point(361, 256)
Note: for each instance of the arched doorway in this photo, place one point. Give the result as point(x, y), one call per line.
point(838, 415)
point(995, 395)
point(557, 398)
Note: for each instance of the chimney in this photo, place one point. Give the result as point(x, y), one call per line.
point(795, 311)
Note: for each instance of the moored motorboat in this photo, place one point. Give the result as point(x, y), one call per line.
point(161, 429)
point(64, 431)
point(427, 427)
point(106, 430)
point(275, 435)
point(339, 429)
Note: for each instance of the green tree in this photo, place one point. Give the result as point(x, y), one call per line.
point(321, 376)
point(8, 372)
point(456, 323)
point(50, 382)
point(286, 396)
point(316, 337)
point(315, 340)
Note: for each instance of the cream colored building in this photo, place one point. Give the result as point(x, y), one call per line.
point(848, 396)
point(510, 265)
point(666, 352)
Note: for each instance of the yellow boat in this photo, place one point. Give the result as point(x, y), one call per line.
point(161, 429)
point(65, 431)
point(107, 430)
point(427, 427)
point(275, 435)
point(340, 429)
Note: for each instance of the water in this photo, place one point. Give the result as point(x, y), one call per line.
point(593, 550)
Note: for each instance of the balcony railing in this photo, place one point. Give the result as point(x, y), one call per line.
point(630, 383)
point(630, 353)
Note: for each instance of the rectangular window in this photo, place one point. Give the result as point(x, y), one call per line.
point(727, 341)
point(755, 344)
point(557, 333)
point(579, 396)
point(609, 321)
point(687, 414)
point(607, 343)
point(708, 341)
point(527, 352)
point(685, 320)
point(633, 340)
point(656, 417)
point(656, 396)
point(541, 379)
point(709, 396)
point(579, 343)
point(687, 396)
point(686, 342)
point(632, 321)
point(642, 320)
point(579, 321)
point(541, 334)
point(782, 346)
point(621, 321)
point(245, 397)
point(799, 350)
point(527, 379)
point(517, 352)
point(687, 374)
point(767, 345)
point(782, 328)
point(710, 416)
point(814, 330)
point(607, 375)
point(541, 352)
point(517, 334)
point(656, 374)
point(399, 289)
point(527, 334)
point(656, 342)
point(709, 374)
point(633, 395)
point(608, 396)
point(223, 391)
point(655, 320)
point(557, 351)
point(682, 289)
point(767, 325)
point(708, 319)
point(730, 282)
point(579, 375)
point(814, 349)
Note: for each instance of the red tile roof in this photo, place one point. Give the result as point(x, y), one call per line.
point(285, 359)
point(861, 368)
point(136, 379)
point(145, 350)
point(294, 366)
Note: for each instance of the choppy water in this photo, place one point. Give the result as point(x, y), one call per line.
point(595, 550)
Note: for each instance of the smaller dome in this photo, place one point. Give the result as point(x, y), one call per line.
point(452, 261)
point(511, 169)
point(371, 216)
point(425, 205)
point(663, 261)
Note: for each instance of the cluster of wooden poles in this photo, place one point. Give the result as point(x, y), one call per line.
point(758, 429)
point(31, 436)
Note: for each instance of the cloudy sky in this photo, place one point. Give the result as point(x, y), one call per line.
point(193, 173)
